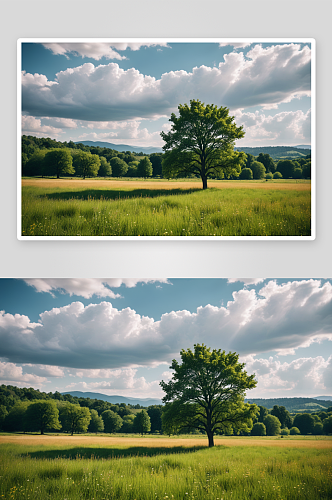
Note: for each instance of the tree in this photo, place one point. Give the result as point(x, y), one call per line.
point(41, 415)
point(267, 161)
point(318, 429)
point(15, 419)
point(3, 415)
point(305, 422)
point(286, 168)
point(294, 431)
point(36, 164)
point(58, 162)
point(119, 167)
point(156, 160)
point(155, 413)
point(96, 423)
point(85, 164)
point(258, 429)
point(283, 415)
point(277, 175)
point(306, 170)
point(144, 168)
point(272, 425)
point(105, 169)
point(246, 173)
point(207, 393)
point(112, 421)
point(263, 412)
point(201, 142)
point(258, 170)
point(128, 424)
point(327, 425)
point(142, 423)
point(74, 418)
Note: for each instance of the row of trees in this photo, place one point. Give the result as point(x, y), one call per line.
point(42, 415)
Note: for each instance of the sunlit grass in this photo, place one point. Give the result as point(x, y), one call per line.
point(124, 472)
point(129, 211)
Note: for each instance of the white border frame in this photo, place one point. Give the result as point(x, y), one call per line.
point(312, 41)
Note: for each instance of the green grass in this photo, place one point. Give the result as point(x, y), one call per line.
point(120, 473)
point(153, 212)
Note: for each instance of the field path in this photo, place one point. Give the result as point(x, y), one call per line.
point(161, 441)
point(164, 184)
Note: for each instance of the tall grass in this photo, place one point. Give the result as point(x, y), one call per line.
point(249, 472)
point(193, 212)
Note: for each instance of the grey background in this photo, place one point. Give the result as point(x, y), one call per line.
point(158, 18)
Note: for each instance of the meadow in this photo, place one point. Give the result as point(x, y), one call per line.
point(157, 467)
point(104, 207)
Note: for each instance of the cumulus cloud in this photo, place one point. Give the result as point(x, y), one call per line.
point(246, 281)
point(265, 76)
point(301, 377)
point(287, 127)
point(239, 45)
point(276, 318)
point(96, 50)
point(86, 287)
point(31, 124)
point(11, 374)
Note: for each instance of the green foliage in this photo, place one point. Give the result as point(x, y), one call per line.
point(263, 412)
point(272, 425)
point(132, 169)
point(96, 423)
point(267, 161)
point(304, 422)
point(42, 415)
point(283, 415)
point(318, 429)
point(73, 418)
point(142, 423)
point(15, 419)
point(285, 432)
point(58, 162)
point(35, 166)
point(258, 170)
point(207, 391)
point(128, 424)
point(119, 167)
point(258, 429)
point(277, 175)
point(85, 164)
point(112, 421)
point(286, 168)
point(156, 160)
point(144, 168)
point(297, 173)
point(3, 415)
point(201, 142)
point(246, 173)
point(105, 169)
point(155, 413)
point(327, 425)
point(294, 431)
point(268, 175)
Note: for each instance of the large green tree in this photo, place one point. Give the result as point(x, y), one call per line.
point(42, 415)
point(112, 421)
point(201, 142)
point(207, 393)
point(144, 168)
point(283, 415)
point(74, 418)
point(142, 423)
point(58, 162)
point(85, 164)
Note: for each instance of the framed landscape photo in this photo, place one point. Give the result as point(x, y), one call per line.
point(176, 139)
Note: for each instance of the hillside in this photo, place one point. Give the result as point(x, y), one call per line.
point(293, 405)
point(115, 399)
point(277, 152)
point(122, 147)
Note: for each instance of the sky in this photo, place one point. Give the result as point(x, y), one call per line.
point(124, 92)
point(119, 336)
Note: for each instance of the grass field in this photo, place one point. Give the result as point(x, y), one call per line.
point(99, 207)
point(99, 467)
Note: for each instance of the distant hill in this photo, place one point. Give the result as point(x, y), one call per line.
point(324, 398)
point(115, 399)
point(301, 146)
point(277, 152)
point(293, 405)
point(122, 147)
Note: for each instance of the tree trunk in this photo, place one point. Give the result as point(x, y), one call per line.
point(204, 179)
point(210, 437)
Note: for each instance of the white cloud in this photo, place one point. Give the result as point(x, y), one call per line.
point(278, 317)
point(288, 127)
point(246, 281)
point(300, 377)
point(240, 45)
point(86, 287)
point(11, 374)
point(266, 76)
point(96, 50)
point(32, 124)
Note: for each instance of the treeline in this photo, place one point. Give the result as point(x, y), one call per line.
point(278, 420)
point(293, 405)
point(276, 152)
point(29, 410)
point(45, 157)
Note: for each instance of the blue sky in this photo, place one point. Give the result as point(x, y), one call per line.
point(119, 336)
point(124, 92)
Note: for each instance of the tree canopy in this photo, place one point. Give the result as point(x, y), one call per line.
point(201, 142)
point(207, 393)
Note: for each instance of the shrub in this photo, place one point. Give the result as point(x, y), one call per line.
point(297, 173)
point(268, 175)
point(246, 173)
point(258, 429)
point(277, 175)
point(318, 429)
point(285, 432)
point(272, 425)
point(258, 170)
point(294, 431)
